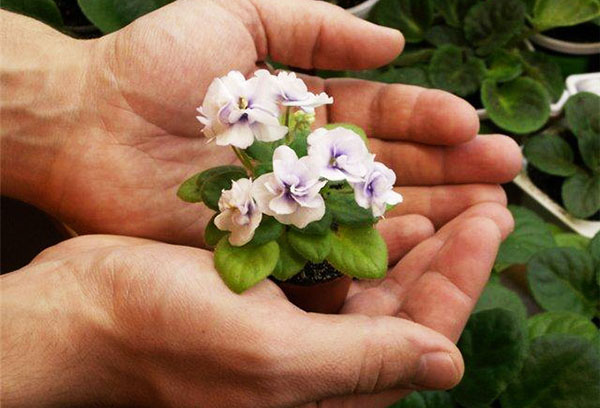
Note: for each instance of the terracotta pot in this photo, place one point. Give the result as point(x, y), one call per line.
point(327, 297)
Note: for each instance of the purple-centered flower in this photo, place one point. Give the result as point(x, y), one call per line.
point(376, 190)
point(291, 192)
point(293, 92)
point(239, 213)
point(235, 111)
point(340, 153)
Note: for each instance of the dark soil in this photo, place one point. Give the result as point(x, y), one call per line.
point(582, 33)
point(315, 273)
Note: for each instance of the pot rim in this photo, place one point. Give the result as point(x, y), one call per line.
point(362, 9)
point(566, 47)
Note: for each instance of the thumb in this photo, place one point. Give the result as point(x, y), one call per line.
point(355, 354)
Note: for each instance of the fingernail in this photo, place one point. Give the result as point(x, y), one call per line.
point(436, 370)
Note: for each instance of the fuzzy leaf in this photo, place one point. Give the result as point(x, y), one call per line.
point(243, 267)
point(409, 58)
point(212, 235)
point(504, 66)
point(541, 68)
point(497, 296)
point(441, 35)
point(43, 10)
point(581, 194)
point(561, 371)
point(359, 252)
point(561, 323)
point(213, 186)
point(290, 262)
point(583, 119)
point(346, 211)
point(111, 15)
point(548, 14)
point(406, 75)
point(412, 17)
point(571, 240)
point(315, 248)
point(563, 279)
point(454, 11)
point(594, 249)
point(269, 230)
point(493, 346)
point(452, 70)
point(190, 190)
point(489, 25)
point(551, 154)
point(425, 399)
point(531, 235)
point(520, 106)
point(261, 151)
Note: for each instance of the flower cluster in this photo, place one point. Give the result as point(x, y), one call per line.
point(241, 112)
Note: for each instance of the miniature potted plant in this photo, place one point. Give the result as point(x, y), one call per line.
point(302, 206)
point(564, 159)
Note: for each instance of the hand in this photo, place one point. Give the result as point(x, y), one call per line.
point(109, 320)
point(129, 136)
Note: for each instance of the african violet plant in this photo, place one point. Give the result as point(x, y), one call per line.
point(578, 170)
point(299, 198)
point(475, 49)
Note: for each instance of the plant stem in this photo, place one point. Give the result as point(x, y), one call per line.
point(244, 159)
point(289, 138)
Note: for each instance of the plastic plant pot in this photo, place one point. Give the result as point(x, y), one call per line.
point(362, 10)
point(326, 297)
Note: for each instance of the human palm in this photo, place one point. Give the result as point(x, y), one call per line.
point(140, 140)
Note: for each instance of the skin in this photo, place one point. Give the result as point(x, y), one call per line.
point(100, 134)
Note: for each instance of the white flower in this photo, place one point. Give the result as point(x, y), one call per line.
point(340, 153)
point(375, 191)
point(235, 111)
point(293, 92)
point(291, 192)
point(239, 213)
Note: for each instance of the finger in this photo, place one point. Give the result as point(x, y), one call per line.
point(485, 159)
point(398, 112)
point(403, 233)
point(441, 204)
point(388, 297)
point(444, 296)
point(308, 33)
point(345, 355)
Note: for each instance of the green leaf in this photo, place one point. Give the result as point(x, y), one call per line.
point(563, 279)
point(452, 70)
point(315, 248)
point(45, 11)
point(212, 187)
point(407, 75)
point(412, 57)
point(497, 296)
point(594, 249)
point(261, 151)
point(212, 235)
point(243, 267)
point(190, 189)
point(550, 153)
point(356, 129)
point(441, 35)
point(359, 252)
point(269, 230)
point(263, 168)
point(581, 194)
point(454, 11)
point(571, 240)
point(489, 25)
point(504, 66)
point(412, 17)
point(583, 119)
point(346, 211)
point(320, 227)
point(300, 143)
point(290, 262)
point(111, 15)
point(520, 106)
point(425, 399)
point(561, 323)
point(561, 371)
point(548, 14)
point(493, 346)
point(531, 234)
point(541, 68)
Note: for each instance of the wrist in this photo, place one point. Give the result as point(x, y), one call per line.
point(42, 77)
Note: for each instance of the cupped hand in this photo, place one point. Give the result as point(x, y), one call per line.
point(125, 321)
point(136, 138)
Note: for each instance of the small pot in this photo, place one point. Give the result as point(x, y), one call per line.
point(566, 47)
point(363, 9)
point(326, 297)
